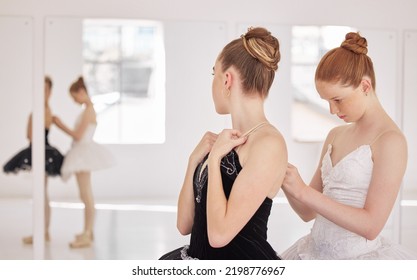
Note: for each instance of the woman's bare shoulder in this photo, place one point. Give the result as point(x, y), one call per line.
point(269, 141)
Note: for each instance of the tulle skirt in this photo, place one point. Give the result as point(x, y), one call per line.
point(86, 156)
point(178, 254)
point(305, 249)
point(22, 161)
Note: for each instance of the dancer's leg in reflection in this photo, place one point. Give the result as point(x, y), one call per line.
point(86, 194)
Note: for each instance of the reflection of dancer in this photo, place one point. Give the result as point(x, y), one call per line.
point(84, 156)
point(231, 178)
point(362, 165)
point(53, 158)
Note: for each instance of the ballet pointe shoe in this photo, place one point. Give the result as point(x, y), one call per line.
point(82, 240)
point(28, 240)
point(80, 236)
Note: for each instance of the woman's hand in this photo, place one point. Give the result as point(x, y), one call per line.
point(203, 147)
point(56, 120)
point(226, 141)
point(293, 183)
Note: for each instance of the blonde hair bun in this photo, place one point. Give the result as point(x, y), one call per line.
point(261, 45)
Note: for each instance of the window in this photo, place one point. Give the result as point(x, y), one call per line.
point(311, 120)
point(124, 68)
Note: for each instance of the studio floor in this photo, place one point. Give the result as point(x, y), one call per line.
point(138, 230)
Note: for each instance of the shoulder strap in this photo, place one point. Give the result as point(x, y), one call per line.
point(378, 136)
point(334, 137)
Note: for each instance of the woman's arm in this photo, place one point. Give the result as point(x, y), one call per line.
point(48, 120)
point(57, 121)
point(304, 212)
point(29, 129)
point(88, 116)
point(263, 172)
point(390, 160)
point(293, 179)
point(185, 213)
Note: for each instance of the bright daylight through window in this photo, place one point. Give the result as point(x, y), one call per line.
point(124, 68)
point(311, 120)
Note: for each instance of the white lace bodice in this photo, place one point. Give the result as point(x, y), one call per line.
point(346, 182)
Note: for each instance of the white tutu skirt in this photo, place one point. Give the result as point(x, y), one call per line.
point(384, 249)
point(86, 156)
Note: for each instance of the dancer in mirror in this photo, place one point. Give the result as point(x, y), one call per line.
point(22, 161)
point(84, 156)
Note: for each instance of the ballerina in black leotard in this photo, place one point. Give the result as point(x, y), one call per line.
point(22, 161)
point(232, 177)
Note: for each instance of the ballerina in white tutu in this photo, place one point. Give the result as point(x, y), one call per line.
point(362, 165)
point(84, 156)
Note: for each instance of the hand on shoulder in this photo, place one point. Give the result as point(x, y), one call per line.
point(203, 147)
point(56, 119)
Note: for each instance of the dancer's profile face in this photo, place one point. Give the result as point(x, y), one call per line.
point(347, 102)
point(78, 96)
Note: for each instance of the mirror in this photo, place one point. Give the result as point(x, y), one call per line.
point(16, 100)
point(311, 120)
point(123, 65)
point(140, 174)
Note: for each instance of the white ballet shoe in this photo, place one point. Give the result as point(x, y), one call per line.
point(28, 240)
point(82, 240)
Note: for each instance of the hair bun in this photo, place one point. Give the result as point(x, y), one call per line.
point(261, 45)
point(355, 43)
point(78, 84)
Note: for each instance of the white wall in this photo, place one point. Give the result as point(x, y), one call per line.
point(410, 112)
point(195, 32)
point(15, 94)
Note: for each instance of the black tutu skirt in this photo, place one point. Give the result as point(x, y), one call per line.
point(22, 161)
point(177, 254)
